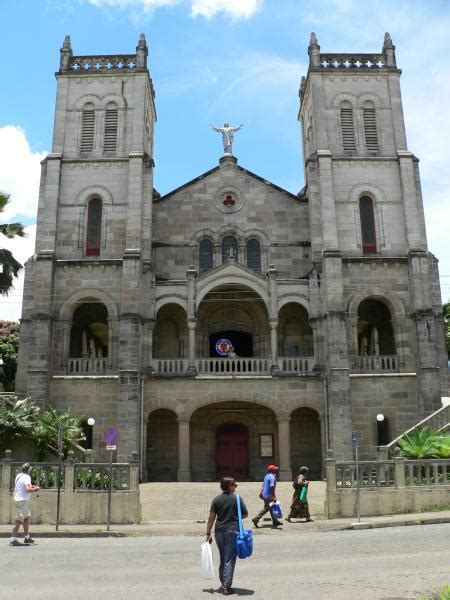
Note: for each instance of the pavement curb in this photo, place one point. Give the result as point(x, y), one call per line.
point(189, 529)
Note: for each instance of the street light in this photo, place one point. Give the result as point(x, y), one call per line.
point(380, 417)
point(91, 423)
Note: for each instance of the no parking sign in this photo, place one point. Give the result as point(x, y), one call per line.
point(111, 437)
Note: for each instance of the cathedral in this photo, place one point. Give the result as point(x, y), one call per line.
point(261, 327)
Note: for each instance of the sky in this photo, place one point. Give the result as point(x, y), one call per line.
point(213, 61)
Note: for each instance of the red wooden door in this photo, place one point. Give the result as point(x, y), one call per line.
point(232, 458)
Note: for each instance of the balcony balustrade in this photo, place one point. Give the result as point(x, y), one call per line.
point(87, 366)
point(377, 364)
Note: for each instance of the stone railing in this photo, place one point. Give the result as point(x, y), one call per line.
point(353, 61)
point(85, 491)
point(377, 364)
point(102, 63)
point(87, 366)
point(221, 367)
point(95, 477)
point(387, 486)
point(233, 366)
point(296, 366)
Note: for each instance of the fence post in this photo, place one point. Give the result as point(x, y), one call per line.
point(88, 456)
point(399, 468)
point(330, 476)
point(5, 483)
point(6, 470)
point(134, 470)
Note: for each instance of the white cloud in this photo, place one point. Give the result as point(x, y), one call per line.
point(146, 5)
point(22, 249)
point(237, 9)
point(20, 173)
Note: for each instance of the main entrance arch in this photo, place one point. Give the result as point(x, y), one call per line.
point(232, 451)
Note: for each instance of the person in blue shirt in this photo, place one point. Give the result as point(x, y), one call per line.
point(268, 495)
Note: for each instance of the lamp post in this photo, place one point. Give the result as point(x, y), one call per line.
point(380, 417)
point(91, 423)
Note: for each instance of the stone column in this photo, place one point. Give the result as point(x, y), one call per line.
point(273, 324)
point(284, 448)
point(184, 449)
point(192, 326)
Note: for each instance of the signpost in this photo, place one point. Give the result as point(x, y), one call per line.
point(355, 447)
point(58, 482)
point(111, 437)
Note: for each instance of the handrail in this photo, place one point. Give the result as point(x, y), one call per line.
point(443, 410)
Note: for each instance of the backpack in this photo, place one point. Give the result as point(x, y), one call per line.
point(244, 537)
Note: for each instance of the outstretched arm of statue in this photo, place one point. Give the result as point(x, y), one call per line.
point(217, 128)
point(237, 128)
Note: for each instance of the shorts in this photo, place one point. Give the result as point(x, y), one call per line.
point(22, 510)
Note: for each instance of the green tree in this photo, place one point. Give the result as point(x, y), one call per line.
point(45, 433)
point(18, 420)
point(446, 311)
point(9, 346)
point(9, 266)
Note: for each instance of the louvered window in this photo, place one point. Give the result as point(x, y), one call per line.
point(111, 120)
point(369, 242)
point(94, 227)
point(87, 131)
point(229, 248)
point(254, 255)
point(347, 129)
point(205, 251)
point(370, 129)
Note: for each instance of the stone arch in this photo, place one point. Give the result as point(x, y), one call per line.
point(119, 101)
point(67, 308)
point(87, 99)
point(394, 304)
point(295, 334)
point(293, 299)
point(205, 421)
point(162, 445)
point(306, 440)
point(338, 99)
point(376, 100)
point(162, 301)
point(170, 334)
point(219, 278)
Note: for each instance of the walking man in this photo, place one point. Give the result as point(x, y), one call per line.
point(22, 491)
point(268, 495)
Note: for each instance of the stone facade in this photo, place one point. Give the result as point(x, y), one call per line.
point(330, 296)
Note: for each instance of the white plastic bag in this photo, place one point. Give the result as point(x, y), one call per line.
point(207, 566)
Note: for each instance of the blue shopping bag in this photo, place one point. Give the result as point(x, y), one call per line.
point(244, 537)
point(276, 510)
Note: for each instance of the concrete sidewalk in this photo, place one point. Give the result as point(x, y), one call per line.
point(189, 528)
point(173, 509)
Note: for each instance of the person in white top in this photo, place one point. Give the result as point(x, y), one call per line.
point(22, 490)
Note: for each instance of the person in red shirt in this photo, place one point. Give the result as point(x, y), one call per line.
point(268, 495)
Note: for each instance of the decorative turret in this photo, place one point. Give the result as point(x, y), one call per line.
point(389, 51)
point(314, 51)
point(66, 54)
point(141, 52)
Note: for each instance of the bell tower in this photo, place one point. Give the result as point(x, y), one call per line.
point(367, 221)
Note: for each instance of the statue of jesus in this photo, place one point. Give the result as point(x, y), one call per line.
point(227, 137)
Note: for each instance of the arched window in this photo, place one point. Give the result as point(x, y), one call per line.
point(229, 248)
point(347, 127)
point(110, 134)
point(369, 242)
point(87, 128)
point(94, 227)
point(375, 331)
point(89, 333)
point(254, 254)
point(370, 127)
point(205, 253)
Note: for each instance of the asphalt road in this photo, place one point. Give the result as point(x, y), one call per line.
point(391, 563)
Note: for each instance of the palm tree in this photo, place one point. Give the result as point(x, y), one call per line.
point(9, 266)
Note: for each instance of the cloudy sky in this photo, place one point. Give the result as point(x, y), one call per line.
point(222, 60)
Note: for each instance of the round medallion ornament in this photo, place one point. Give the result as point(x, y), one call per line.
point(228, 200)
point(223, 346)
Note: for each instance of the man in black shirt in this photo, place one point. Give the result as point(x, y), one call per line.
point(224, 512)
